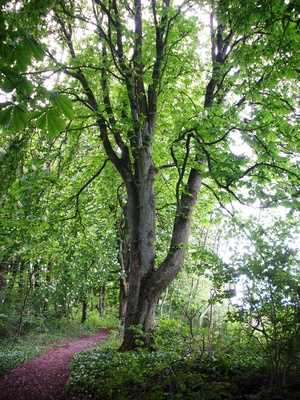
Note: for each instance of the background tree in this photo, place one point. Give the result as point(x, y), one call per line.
point(269, 306)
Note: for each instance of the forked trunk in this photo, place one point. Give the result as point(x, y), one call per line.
point(145, 290)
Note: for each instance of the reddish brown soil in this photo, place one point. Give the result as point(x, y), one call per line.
point(45, 377)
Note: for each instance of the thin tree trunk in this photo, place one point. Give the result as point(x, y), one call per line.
point(19, 329)
point(84, 311)
point(202, 315)
point(163, 300)
point(171, 300)
point(101, 300)
point(123, 299)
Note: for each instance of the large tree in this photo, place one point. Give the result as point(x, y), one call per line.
point(161, 88)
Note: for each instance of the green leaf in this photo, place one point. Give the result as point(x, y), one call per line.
point(36, 114)
point(25, 87)
point(23, 55)
point(291, 73)
point(64, 105)
point(271, 137)
point(36, 49)
point(9, 54)
point(41, 122)
point(55, 123)
point(7, 85)
point(5, 116)
point(281, 111)
point(19, 118)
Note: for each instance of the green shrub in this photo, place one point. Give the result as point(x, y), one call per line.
point(107, 321)
point(170, 372)
point(104, 373)
point(184, 341)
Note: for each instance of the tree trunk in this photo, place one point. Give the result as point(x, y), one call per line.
point(20, 324)
point(4, 267)
point(145, 289)
point(101, 301)
point(163, 300)
point(84, 311)
point(124, 259)
point(123, 298)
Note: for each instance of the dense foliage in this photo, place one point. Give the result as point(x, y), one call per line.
point(149, 168)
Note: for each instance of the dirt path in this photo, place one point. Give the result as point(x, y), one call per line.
point(45, 377)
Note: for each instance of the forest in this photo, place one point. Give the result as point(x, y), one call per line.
point(150, 184)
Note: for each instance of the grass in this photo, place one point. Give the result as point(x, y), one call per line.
point(14, 352)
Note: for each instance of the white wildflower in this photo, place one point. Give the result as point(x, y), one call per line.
point(202, 114)
point(39, 154)
point(20, 205)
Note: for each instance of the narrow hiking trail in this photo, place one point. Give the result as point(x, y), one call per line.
point(45, 378)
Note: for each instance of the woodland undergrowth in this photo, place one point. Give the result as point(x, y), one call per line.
point(182, 366)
